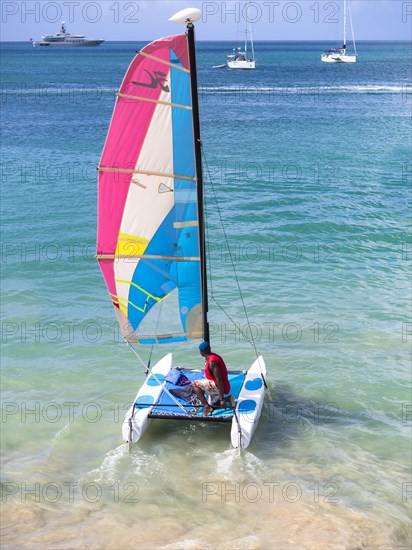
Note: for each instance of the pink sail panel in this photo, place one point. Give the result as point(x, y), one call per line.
point(145, 78)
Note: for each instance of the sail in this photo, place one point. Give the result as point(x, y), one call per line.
point(148, 232)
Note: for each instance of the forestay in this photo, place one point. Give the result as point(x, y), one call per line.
point(148, 231)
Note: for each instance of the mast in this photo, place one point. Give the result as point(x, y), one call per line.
point(199, 174)
point(251, 42)
point(249, 28)
point(344, 25)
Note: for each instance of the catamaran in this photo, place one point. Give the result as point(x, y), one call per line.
point(151, 234)
point(239, 58)
point(339, 55)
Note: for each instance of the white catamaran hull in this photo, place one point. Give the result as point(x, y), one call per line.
point(249, 405)
point(137, 421)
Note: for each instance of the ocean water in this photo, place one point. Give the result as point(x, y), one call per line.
point(312, 170)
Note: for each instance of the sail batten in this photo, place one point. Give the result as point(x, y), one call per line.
point(164, 62)
point(147, 256)
point(148, 229)
point(147, 172)
point(158, 101)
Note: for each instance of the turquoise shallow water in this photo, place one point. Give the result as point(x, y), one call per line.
point(311, 166)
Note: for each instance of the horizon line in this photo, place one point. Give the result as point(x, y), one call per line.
point(231, 41)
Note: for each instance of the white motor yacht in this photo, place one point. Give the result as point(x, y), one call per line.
point(63, 38)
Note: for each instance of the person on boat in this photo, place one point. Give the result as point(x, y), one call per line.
point(216, 383)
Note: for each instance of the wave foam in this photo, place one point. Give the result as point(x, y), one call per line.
point(406, 89)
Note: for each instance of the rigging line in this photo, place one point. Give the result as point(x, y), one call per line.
point(233, 322)
point(208, 263)
point(351, 28)
point(152, 346)
point(246, 338)
point(159, 382)
point(134, 410)
point(150, 358)
point(230, 253)
point(135, 352)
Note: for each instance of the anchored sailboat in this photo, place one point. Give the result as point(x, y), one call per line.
point(239, 58)
point(151, 235)
point(339, 55)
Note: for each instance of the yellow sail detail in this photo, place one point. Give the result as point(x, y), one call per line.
point(116, 301)
point(123, 308)
point(143, 310)
point(130, 245)
point(124, 302)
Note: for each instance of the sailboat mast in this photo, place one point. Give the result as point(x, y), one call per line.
point(199, 174)
point(249, 28)
point(251, 41)
point(344, 24)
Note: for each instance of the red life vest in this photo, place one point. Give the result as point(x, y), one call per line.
point(215, 358)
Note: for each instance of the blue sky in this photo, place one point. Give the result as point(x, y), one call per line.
point(222, 20)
